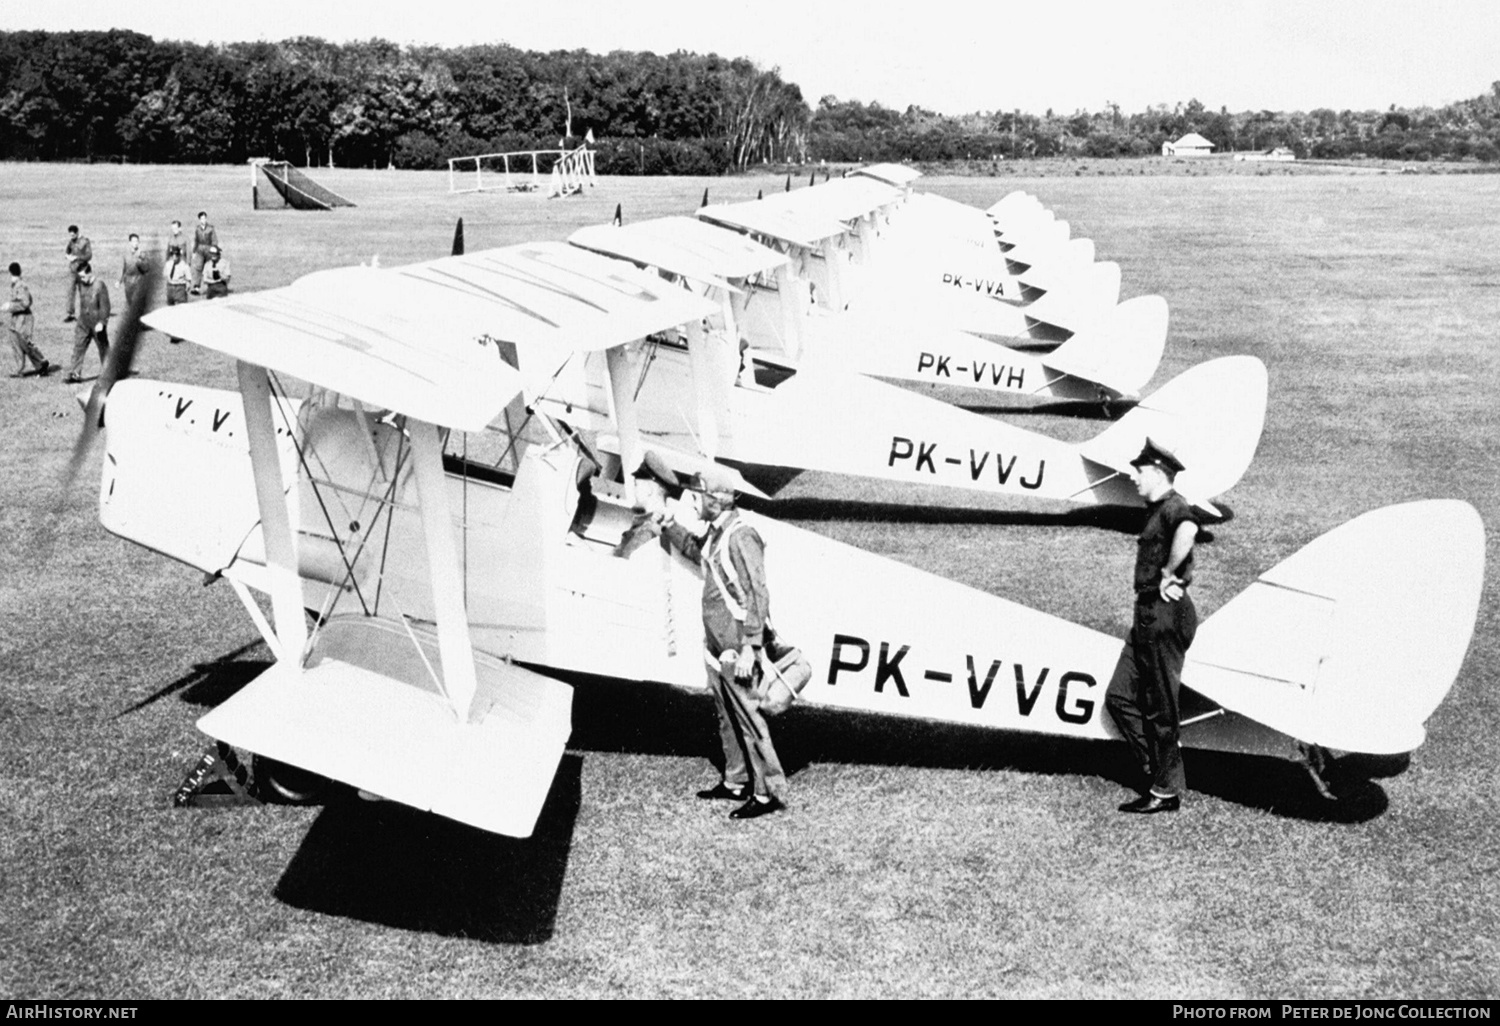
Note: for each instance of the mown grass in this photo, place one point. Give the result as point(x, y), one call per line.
point(917, 860)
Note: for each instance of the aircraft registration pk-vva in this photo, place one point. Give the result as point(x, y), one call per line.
point(449, 496)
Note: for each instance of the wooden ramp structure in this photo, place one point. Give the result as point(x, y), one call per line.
point(296, 189)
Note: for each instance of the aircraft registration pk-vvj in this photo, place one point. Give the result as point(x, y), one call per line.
point(453, 524)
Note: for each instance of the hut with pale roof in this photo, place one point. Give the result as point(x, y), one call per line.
point(1190, 145)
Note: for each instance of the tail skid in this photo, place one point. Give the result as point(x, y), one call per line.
point(1354, 641)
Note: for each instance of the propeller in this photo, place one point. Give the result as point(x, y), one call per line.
point(618, 219)
point(117, 363)
point(760, 194)
point(812, 179)
point(458, 238)
point(788, 181)
point(705, 199)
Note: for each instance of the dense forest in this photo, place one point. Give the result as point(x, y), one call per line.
point(121, 95)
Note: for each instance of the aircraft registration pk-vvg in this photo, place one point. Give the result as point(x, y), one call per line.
point(449, 496)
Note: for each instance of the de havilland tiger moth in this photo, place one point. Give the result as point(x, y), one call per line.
point(770, 372)
point(453, 531)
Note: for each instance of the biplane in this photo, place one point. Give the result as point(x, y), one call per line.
point(765, 296)
point(959, 257)
point(454, 535)
point(788, 402)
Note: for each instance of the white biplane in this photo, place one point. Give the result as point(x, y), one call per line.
point(455, 538)
point(871, 299)
point(789, 403)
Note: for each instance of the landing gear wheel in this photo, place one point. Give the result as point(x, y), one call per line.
point(287, 785)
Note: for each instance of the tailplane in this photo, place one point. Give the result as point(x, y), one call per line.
point(1354, 641)
point(1059, 268)
point(1081, 303)
point(1037, 261)
point(1121, 352)
point(1211, 414)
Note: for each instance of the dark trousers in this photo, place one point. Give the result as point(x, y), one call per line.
point(749, 756)
point(83, 334)
point(20, 345)
point(75, 294)
point(1143, 691)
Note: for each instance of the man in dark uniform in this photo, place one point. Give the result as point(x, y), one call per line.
point(176, 240)
point(133, 269)
point(79, 251)
point(93, 322)
point(205, 238)
point(655, 483)
point(736, 607)
point(1143, 692)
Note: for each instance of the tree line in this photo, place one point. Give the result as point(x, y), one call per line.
point(121, 95)
point(852, 131)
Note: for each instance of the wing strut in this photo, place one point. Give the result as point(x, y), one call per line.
point(703, 388)
point(622, 399)
point(454, 644)
point(275, 520)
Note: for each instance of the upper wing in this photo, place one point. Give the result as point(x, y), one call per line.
point(685, 246)
point(418, 339)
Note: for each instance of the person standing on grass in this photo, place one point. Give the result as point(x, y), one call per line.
point(205, 238)
point(79, 251)
point(1143, 691)
point(216, 274)
point(177, 279)
point(175, 240)
point(736, 608)
point(133, 269)
point(21, 325)
point(93, 322)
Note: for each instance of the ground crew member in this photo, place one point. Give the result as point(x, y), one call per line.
point(93, 322)
point(20, 325)
point(177, 279)
point(216, 274)
point(655, 482)
point(79, 252)
point(736, 607)
point(205, 238)
point(133, 268)
point(176, 240)
point(1143, 691)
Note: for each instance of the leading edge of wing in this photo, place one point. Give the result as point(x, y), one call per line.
point(419, 339)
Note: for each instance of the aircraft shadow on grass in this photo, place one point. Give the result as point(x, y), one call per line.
point(1121, 519)
point(1074, 408)
point(613, 716)
point(208, 684)
point(386, 863)
point(381, 862)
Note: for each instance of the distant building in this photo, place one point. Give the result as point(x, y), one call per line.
point(1279, 153)
point(1190, 145)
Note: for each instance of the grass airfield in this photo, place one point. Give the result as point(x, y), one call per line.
point(917, 860)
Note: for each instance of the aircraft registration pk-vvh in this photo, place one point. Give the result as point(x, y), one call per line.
point(449, 497)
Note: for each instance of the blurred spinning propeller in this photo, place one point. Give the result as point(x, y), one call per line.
point(117, 363)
